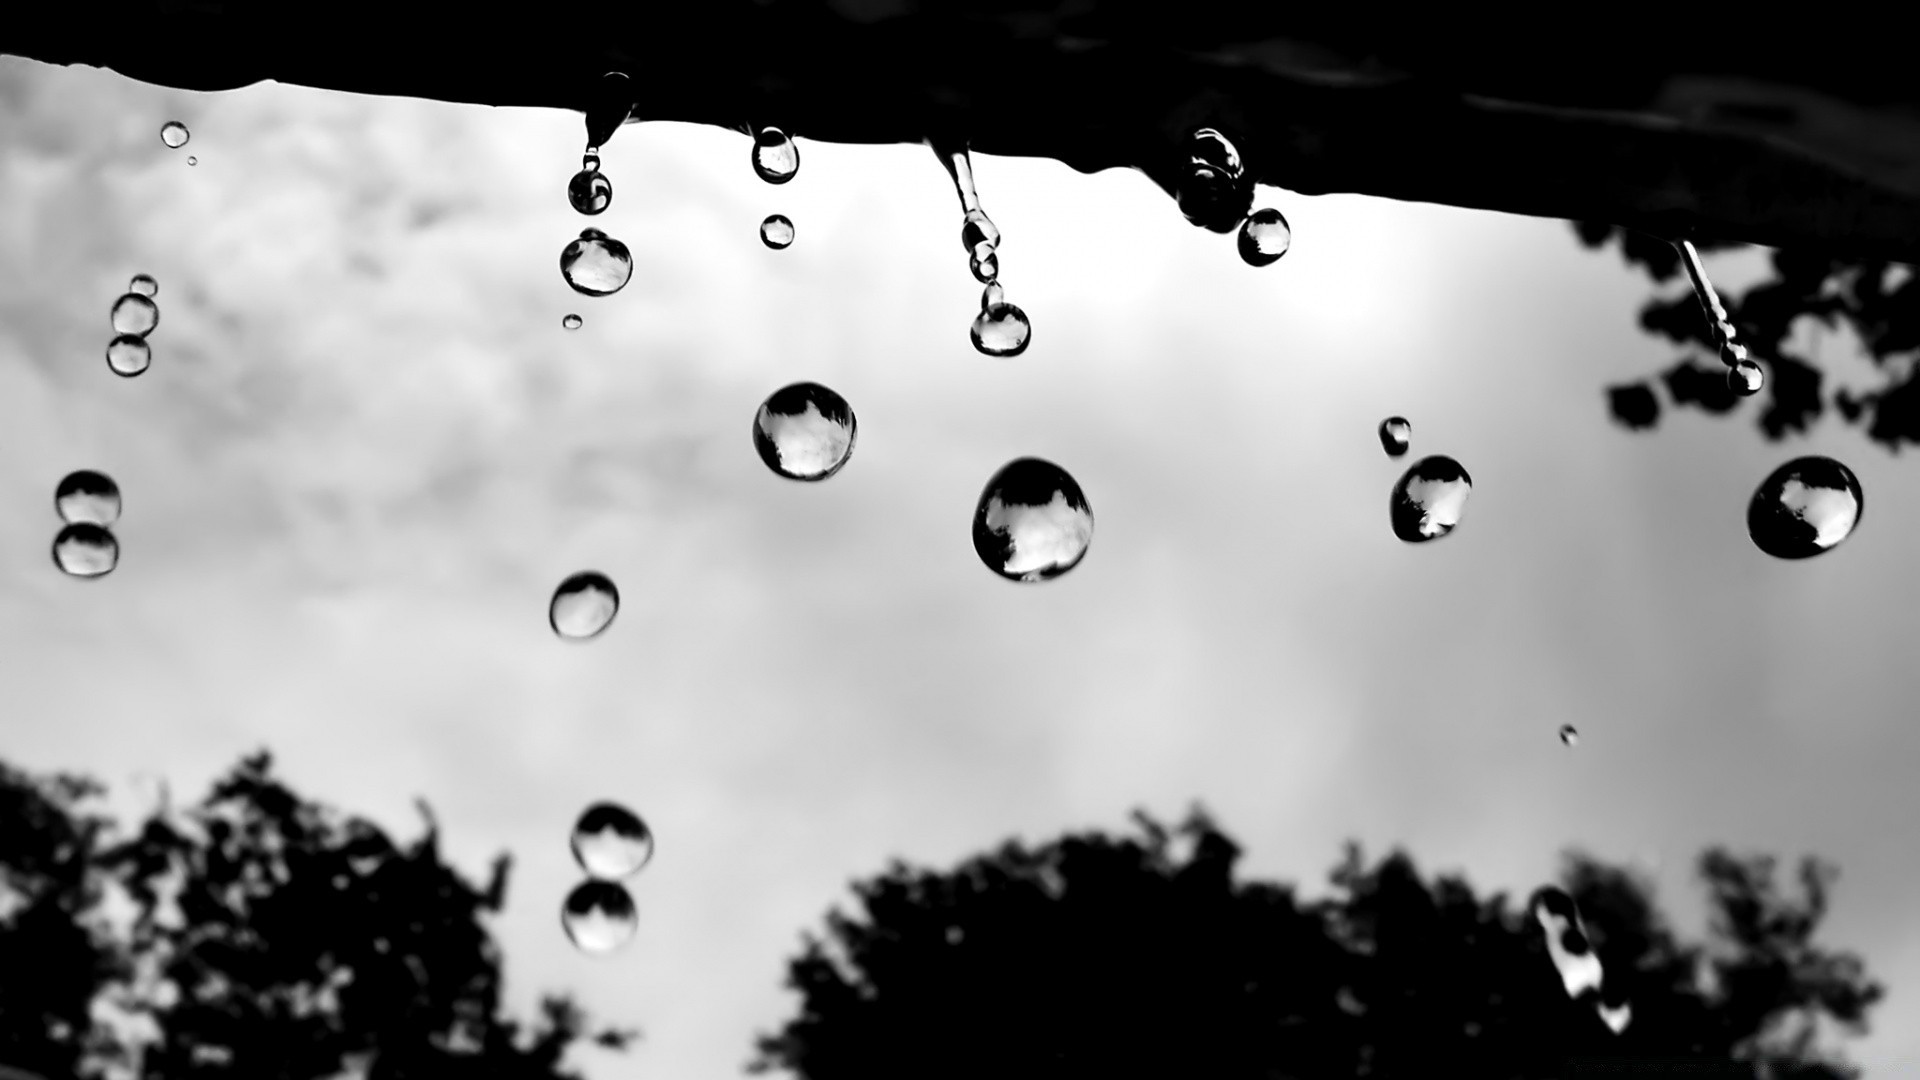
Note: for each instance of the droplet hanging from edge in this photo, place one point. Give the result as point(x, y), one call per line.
point(1396, 435)
point(596, 264)
point(1001, 330)
point(129, 355)
point(134, 314)
point(145, 285)
point(805, 432)
point(1569, 735)
point(1429, 500)
point(174, 134)
point(1032, 522)
point(1745, 378)
point(610, 104)
point(775, 158)
point(1264, 237)
point(776, 231)
point(583, 606)
point(1805, 507)
point(86, 497)
point(570, 321)
point(599, 917)
point(610, 842)
point(590, 191)
point(85, 551)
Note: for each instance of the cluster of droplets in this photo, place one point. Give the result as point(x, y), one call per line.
point(1430, 497)
point(1215, 192)
point(1744, 377)
point(595, 264)
point(611, 844)
point(1001, 328)
point(89, 503)
point(133, 317)
point(1571, 950)
point(776, 160)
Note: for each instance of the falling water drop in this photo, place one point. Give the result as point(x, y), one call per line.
point(776, 232)
point(985, 264)
point(1429, 499)
point(1805, 507)
point(191, 160)
point(571, 321)
point(611, 103)
point(1745, 378)
point(596, 264)
point(85, 497)
point(804, 432)
point(993, 294)
point(590, 191)
point(85, 550)
point(583, 605)
point(1567, 941)
point(775, 157)
point(1032, 522)
point(1213, 191)
point(144, 285)
point(1264, 237)
point(1569, 735)
point(599, 917)
point(174, 134)
point(1001, 330)
point(610, 842)
point(1396, 435)
point(129, 355)
point(134, 314)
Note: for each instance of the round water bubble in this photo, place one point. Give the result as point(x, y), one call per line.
point(599, 917)
point(129, 355)
point(978, 229)
point(85, 550)
point(570, 321)
point(1569, 735)
point(1745, 378)
point(1805, 507)
point(991, 295)
point(775, 157)
point(1427, 502)
point(776, 232)
point(85, 497)
point(1032, 523)
point(1207, 146)
point(1396, 435)
point(1001, 330)
point(134, 314)
point(596, 264)
point(144, 285)
point(610, 842)
point(583, 605)
point(804, 432)
point(590, 191)
point(191, 160)
point(1264, 237)
point(1213, 191)
point(985, 265)
point(174, 134)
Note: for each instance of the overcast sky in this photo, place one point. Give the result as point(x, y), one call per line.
point(366, 452)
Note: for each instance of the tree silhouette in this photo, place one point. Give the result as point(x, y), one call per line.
point(1103, 956)
point(270, 937)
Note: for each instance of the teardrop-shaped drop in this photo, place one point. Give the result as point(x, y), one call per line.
point(1805, 507)
point(599, 917)
point(87, 497)
point(596, 264)
point(1396, 435)
point(1001, 330)
point(1429, 499)
point(1264, 237)
point(1032, 522)
point(610, 104)
point(583, 605)
point(977, 229)
point(611, 842)
point(804, 432)
point(775, 158)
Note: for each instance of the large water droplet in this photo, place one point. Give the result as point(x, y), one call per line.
point(1264, 237)
point(1396, 435)
point(611, 842)
point(144, 285)
point(590, 191)
point(1745, 378)
point(1567, 941)
point(985, 264)
point(610, 104)
point(804, 432)
point(1805, 507)
point(1427, 502)
point(596, 264)
point(776, 232)
point(129, 355)
point(977, 229)
point(174, 134)
point(570, 321)
point(1569, 735)
point(1214, 191)
point(86, 497)
point(599, 917)
point(134, 314)
point(775, 157)
point(1001, 330)
point(583, 605)
point(86, 550)
point(1032, 523)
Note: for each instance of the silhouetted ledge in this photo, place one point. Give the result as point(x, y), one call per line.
point(1792, 132)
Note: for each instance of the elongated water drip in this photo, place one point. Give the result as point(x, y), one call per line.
point(959, 165)
point(1732, 352)
point(612, 104)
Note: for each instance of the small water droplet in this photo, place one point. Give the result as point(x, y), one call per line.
point(1805, 507)
point(583, 605)
point(1033, 522)
point(129, 355)
point(993, 294)
point(977, 229)
point(1429, 499)
point(596, 264)
point(804, 432)
point(590, 191)
point(599, 917)
point(144, 285)
point(85, 550)
point(134, 314)
point(1569, 735)
point(985, 265)
point(590, 161)
point(611, 842)
point(1745, 378)
point(775, 157)
point(1264, 237)
point(776, 232)
point(1001, 330)
point(85, 497)
point(1396, 435)
point(174, 134)
point(1214, 191)
point(191, 160)
point(570, 321)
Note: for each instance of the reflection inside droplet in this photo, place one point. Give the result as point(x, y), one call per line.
point(1032, 522)
point(144, 284)
point(985, 264)
point(1001, 330)
point(804, 432)
point(596, 264)
point(1745, 378)
point(1264, 237)
point(611, 842)
point(977, 229)
point(134, 314)
point(775, 157)
point(128, 355)
point(1396, 435)
point(1805, 507)
point(991, 295)
point(1213, 191)
point(599, 917)
point(1569, 735)
point(570, 321)
point(174, 134)
point(590, 191)
point(583, 605)
point(85, 550)
point(776, 231)
point(87, 497)
point(1429, 499)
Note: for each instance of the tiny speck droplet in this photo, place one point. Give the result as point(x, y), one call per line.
point(1033, 522)
point(134, 314)
point(1745, 378)
point(86, 497)
point(804, 432)
point(1429, 499)
point(1396, 435)
point(599, 917)
point(144, 284)
point(129, 355)
point(776, 232)
point(1264, 237)
point(85, 550)
point(1569, 735)
point(590, 191)
point(610, 842)
point(1001, 330)
point(191, 160)
point(1805, 507)
point(596, 264)
point(583, 605)
point(174, 134)
point(571, 322)
point(775, 158)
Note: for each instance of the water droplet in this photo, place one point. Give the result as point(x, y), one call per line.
point(174, 134)
point(993, 294)
point(1429, 499)
point(583, 605)
point(1264, 237)
point(776, 232)
point(1032, 523)
point(1745, 378)
point(1569, 735)
point(85, 497)
point(1567, 941)
point(129, 355)
point(611, 842)
point(1001, 330)
point(1214, 192)
point(804, 432)
point(610, 104)
point(191, 160)
point(590, 161)
point(144, 285)
point(590, 191)
point(599, 917)
point(1805, 507)
point(1396, 435)
point(1616, 1017)
point(1209, 147)
point(978, 229)
point(775, 157)
point(596, 264)
point(86, 550)
point(985, 265)
point(134, 314)
point(571, 321)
